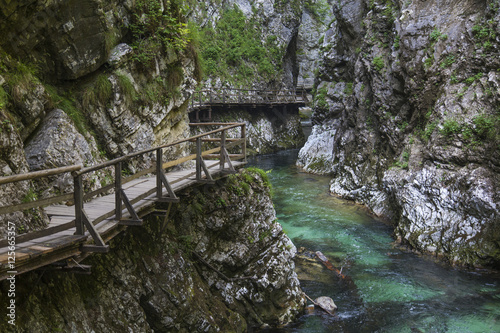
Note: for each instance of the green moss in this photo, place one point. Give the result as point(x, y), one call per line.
point(67, 103)
point(126, 86)
point(262, 174)
point(318, 164)
point(4, 98)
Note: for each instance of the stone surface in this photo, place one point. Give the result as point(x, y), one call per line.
point(76, 35)
point(13, 161)
point(57, 143)
point(119, 54)
point(326, 303)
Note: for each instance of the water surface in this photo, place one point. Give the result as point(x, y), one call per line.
point(387, 290)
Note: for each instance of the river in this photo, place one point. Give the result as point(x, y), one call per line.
point(385, 289)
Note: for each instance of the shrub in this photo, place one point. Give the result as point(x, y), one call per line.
point(378, 62)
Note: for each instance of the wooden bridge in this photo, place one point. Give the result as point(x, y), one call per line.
point(202, 102)
point(83, 222)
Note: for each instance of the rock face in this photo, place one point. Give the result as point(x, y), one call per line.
point(406, 120)
point(154, 280)
point(77, 35)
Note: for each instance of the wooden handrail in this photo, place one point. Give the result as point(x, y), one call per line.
point(207, 98)
point(150, 150)
point(81, 219)
point(38, 174)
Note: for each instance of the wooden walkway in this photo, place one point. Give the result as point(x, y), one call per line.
point(205, 100)
point(77, 230)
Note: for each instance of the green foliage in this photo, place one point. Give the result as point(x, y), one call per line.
point(396, 42)
point(30, 196)
point(220, 203)
point(450, 60)
point(484, 35)
point(437, 35)
point(320, 98)
point(23, 78)
point(67, 103)
point(429, 129)
point(486, 126)
point(450, 127)
point(472, 79)
point(4, 98)
point(262, 174)
point(348, 90)
point(234, 46)
point(158, 31)
point(319, 9)
point(403, 163)
point(126, 86)
point(378, 63)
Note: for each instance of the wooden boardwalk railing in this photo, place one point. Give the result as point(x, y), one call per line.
point(88, 220)
point(206, 99)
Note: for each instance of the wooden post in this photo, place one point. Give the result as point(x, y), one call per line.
point(118, 190)
point(159, 168)
point(222, 148)
point(78, 197)
point(244, 145)
point(198, 159)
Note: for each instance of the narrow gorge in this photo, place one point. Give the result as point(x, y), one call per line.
point(404, 97)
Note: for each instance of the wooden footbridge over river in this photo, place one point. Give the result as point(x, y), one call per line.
point(204, 101)
point(83, 221)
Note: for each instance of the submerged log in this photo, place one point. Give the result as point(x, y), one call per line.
point(328, 264)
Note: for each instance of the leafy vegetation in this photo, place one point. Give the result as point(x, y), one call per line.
point(158, 30)
point(234, 46)
point(378, 63)
point(484, 35)
point(320, 98)
point(437, 35)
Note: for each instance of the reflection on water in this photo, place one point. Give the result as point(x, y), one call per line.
point(387, 290)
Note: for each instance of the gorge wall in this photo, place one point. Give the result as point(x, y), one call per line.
point(406, 120)
point(220, 262)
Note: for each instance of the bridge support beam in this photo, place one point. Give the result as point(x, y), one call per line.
point(200, 164)
point(120, 197)
point(161, 180)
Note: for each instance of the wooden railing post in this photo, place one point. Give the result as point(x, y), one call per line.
point(244, 146)
point(159, 169)
point(198, 158)
point(78, 198)
point(118, 188)
point(222, 148)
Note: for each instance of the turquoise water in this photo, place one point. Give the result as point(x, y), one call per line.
point(387, 290)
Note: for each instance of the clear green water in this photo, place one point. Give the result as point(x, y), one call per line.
point(387, 290)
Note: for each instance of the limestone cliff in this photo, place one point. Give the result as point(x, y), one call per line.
point(406, 120)
point(219, 263)
point(85, 81)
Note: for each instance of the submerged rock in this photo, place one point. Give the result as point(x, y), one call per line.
point(326, 303)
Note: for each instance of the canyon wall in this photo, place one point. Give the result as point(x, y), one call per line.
point(406, 120)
